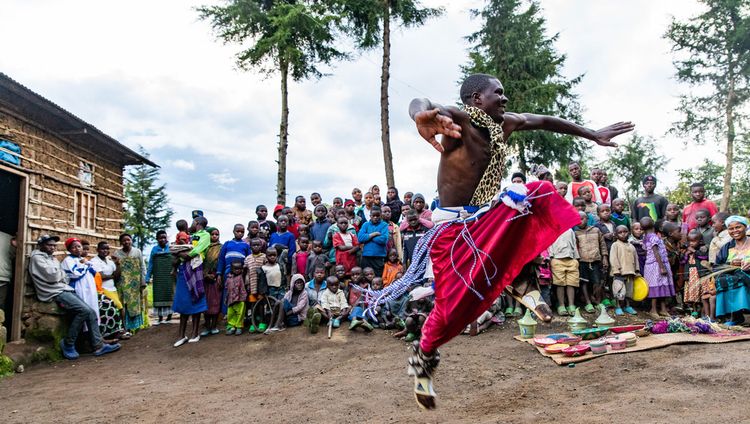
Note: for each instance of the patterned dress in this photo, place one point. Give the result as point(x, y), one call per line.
point(658, 285)
point(130, 287)
point(695, 270)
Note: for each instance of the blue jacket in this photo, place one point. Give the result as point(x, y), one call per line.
point(375, 246)
point(230, 251)
point(287, 239)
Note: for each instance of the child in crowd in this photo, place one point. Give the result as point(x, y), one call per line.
point(368, 274)
point(544, 276)
point(317, 258)
point(672, 236)
point(565, 273)
point(183, 237)
point(636, 239)
point(587, 193)
point(303, 230)
point(417, 309)
point(359, 301)
point(580, 204)
point(708, 287)
point(607, 227)
point(319, 228)
point(411, 234)
point(316, 286)
point(266, 227)
point(672, 215)
point(333, 305)
point(346, 245)
point(212, 283)
point(300, 257)
point(285, 238)
point(656, 271)
point(340, 272)
point(593, 261)
point(562, 188)
point(394, 233)
point(292, 310)
point(696, 266)
point(338, 203)
point(392, 268)
point(85, 249)
point(424, 215)
point(351, 214)
point(618, 216)
point(254, 231)
point(292, 223)
point(624, 268)
point(703, 225)
point(253, 263)
point(271, 277)
point(698, 194)
point(358, 280)
point(236, 294)
point(576, 175)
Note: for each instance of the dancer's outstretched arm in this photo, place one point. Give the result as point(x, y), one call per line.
point(530, 121)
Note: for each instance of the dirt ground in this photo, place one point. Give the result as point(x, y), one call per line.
point(356, 377)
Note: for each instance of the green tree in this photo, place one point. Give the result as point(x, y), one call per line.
point(286, 37)
point(512, 45)
point(368, 22)
point(713, 56)
point(632, 161)
point(146, 203)
point(709, 173)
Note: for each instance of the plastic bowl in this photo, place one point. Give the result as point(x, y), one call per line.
point(571, 340)
point(618, 343)
point(577, 350)
point(544, 341)
point(626, 328)
point(556, 348)
point(557, 336)
point(591, 333)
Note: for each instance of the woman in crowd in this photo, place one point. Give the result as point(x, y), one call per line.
point(732, 294)
point(132, 284)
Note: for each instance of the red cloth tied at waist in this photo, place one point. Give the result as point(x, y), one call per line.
point(510, 244)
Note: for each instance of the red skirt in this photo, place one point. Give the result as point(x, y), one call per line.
point(509, 243)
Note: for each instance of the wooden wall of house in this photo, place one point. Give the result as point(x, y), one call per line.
point(54, 180)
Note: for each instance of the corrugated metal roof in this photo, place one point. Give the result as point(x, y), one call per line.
point(25, 102)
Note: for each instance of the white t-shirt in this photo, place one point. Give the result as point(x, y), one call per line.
point(6, 258)
point(106, 266)
point(273, 274)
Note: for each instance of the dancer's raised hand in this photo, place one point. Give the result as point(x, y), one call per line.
point(604, 136)
point(431, 123)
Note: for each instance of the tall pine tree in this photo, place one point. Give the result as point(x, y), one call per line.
point(146, 203)
point(713, 56)
point(368, 22)
point(513, 46)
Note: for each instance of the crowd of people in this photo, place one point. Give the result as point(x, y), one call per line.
point(318, 265)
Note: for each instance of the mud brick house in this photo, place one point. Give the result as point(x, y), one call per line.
point(58, 175)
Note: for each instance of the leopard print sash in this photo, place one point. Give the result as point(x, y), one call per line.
point(489, 184)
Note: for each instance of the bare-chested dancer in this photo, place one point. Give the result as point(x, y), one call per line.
point(473, 153)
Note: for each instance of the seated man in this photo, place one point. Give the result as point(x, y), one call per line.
point(49, 281)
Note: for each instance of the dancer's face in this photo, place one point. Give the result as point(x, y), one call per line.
point(492, 100)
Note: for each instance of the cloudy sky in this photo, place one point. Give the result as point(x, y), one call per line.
point(149, 73)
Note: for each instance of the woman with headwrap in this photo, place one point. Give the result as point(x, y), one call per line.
point(392, 201)
point(732, 294)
